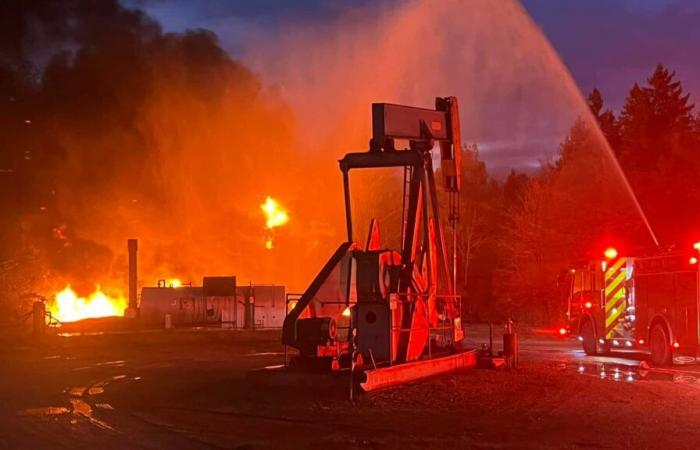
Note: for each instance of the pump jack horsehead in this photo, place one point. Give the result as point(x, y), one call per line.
point(391, 316)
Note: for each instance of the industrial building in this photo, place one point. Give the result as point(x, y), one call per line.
point(217, 302)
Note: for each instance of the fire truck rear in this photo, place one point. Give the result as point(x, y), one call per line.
point(648, 302)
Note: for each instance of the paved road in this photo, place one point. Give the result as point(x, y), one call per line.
point(543, 345)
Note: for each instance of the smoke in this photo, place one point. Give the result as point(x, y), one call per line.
point(112, 128)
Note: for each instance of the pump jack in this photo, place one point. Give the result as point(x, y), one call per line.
point(391, 316)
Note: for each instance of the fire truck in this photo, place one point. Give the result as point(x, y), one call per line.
point(645, 303)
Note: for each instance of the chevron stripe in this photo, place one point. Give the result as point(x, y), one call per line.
point(614, 283)
point(614, 268)
point(615, 295)
point(613, 299)
point(611, 320)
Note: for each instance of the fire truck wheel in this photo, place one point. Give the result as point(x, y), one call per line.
point(660, 345)
point(590, 346)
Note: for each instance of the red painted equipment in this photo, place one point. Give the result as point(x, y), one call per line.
point(649, 301)
point(394, 311)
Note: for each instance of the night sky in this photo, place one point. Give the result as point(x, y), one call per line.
point(609, 44)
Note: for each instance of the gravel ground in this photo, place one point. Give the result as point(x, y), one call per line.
point(187, 389)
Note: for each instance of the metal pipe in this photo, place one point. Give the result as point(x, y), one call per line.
point(132, 246)
point(348, 214)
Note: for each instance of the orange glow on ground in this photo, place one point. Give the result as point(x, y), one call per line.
point(69, 307)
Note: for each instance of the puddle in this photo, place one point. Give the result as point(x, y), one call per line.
point(111, 363)
point(631, 373)
point(83, 409)
point(78, 408)
point(46, 411)
point(684, 360)
point(96, 390)
point(76, 391)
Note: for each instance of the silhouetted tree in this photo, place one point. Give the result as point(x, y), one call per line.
point(659, 152)
point(605, 118)
point(655, 121)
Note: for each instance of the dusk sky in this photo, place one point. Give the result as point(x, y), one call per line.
point(608, 44)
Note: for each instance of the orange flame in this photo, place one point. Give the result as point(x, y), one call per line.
point(275, 216)
point(173, 282)
point(69, 307)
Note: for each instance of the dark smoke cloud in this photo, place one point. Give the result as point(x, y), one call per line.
point(111, 128)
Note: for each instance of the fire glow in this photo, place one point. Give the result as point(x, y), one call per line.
point(69, 307)
point(275, 216)
point(173, 282)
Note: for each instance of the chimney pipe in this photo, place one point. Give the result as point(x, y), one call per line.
point(133, 277)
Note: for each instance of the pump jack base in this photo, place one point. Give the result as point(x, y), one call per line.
point(385, 377)
point(370, 380)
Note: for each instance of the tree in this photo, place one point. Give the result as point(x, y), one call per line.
point(659, 153)
point(656, 120)
point(605, 118)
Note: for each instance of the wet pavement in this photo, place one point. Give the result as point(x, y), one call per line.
point(619, 365)
point(187, 390)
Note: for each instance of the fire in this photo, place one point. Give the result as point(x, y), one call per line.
point(69, 307)
point(275, 215)
point(173, 282)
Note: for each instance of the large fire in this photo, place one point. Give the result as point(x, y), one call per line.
point(173, 282)
point(275, 216)
point(69, 307)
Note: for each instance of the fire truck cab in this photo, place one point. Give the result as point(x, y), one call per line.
point(648, 302)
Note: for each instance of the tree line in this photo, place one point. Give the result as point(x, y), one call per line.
point(613, 172)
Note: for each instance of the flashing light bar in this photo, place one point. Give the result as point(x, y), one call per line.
point(610, 253)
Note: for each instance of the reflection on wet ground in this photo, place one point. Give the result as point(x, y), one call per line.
point(81, 398)
point(630, 372)
point(46, 411)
